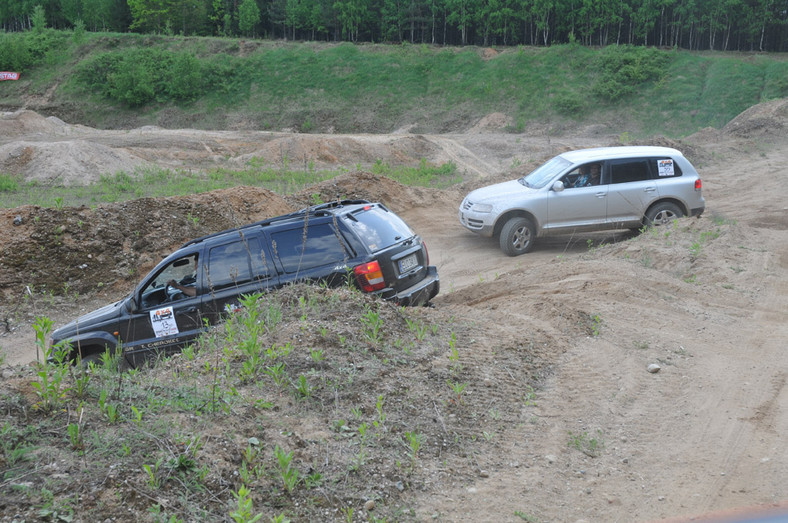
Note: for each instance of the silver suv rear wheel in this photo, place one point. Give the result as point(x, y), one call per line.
point(662, 214)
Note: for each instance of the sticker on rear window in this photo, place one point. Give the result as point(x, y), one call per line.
point(163, 322)
point(665, 167)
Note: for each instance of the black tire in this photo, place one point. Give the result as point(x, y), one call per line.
point(517, 236)
point(662, 214)
point(97, 358)
point(94, 357)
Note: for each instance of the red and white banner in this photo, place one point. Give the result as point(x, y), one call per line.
point(5, 75)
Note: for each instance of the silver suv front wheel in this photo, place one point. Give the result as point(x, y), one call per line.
point(517, 236)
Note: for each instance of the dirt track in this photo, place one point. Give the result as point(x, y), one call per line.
point(706, 433)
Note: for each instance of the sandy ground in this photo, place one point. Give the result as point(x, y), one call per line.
point(704, 434)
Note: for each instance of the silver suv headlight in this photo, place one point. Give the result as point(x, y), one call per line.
point(481, 207)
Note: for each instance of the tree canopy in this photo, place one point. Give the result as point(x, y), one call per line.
point(741, 25)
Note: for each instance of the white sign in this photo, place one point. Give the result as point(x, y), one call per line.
point(665, 167)
point(163, 322)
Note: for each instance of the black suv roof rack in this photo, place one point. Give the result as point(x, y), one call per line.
point(313, 210)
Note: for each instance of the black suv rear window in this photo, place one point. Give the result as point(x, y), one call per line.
point(378, 228)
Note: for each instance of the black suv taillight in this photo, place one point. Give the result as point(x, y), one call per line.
point(369, 276)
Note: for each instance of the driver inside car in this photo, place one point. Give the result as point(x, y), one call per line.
point(188, 284)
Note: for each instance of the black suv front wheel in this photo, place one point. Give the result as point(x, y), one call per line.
point(517, 236)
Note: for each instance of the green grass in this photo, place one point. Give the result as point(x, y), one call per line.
point(313, 87)
point(157, 182)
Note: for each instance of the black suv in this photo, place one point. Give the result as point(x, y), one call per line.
point(197, 285)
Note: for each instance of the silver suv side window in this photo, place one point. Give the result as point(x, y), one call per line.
point(631, 170)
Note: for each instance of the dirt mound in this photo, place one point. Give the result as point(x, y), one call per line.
point(315, 151)
point(48, 151)
point(65, 163)
point(85, 250)
point(492, 122)
point(364, 186)
point(762, 120)
point(23, 123)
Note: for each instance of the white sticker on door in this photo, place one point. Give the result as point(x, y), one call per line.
point(163, 322)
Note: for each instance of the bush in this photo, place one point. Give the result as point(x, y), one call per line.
point(569, 104)
point(623, 68)
point(14, 55)
point(40, 44)
point(139, 76)
point(186, 77)
point(94, 73)
point(131, 85)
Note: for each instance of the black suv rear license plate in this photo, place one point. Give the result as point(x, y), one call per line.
point(407, 263)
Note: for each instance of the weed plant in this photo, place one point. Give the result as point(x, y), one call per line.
point(177, 432)
point(589, 445)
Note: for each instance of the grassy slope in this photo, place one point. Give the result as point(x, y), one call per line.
point(375, 88)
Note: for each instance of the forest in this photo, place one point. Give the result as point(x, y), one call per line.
point(698, 25)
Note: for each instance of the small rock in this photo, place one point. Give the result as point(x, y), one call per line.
point(399, 486)
point(17, 220)
point(369, 505)
point(550, 458)
point(7, 373)
point(484, 474)
point(654, 368)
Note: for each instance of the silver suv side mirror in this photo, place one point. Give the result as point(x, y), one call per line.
point(558, 186)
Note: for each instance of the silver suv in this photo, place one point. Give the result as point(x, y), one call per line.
point(586, 190)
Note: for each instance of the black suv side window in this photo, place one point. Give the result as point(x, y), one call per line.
point(182, 271)
point(322, 246)
point(229, 264)
point(377, 227)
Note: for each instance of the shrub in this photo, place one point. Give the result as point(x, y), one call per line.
point(14, 54)
point(94, 73)
point(185, 81)
point(623, 68)
point(569, 104)
point(131, 85)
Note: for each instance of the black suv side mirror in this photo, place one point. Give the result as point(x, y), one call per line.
point(131, 304)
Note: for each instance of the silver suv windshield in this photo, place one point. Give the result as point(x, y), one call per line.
point(546, 172)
